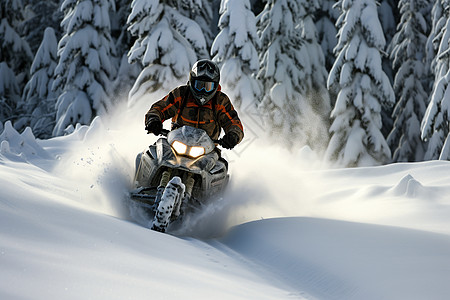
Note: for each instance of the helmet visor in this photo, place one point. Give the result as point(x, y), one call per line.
point(207, 86)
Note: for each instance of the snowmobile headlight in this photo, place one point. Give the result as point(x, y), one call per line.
point(179, 147)
point(196, 151)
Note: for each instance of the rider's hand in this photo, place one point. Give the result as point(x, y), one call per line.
point(229, 140)
point(154, 127)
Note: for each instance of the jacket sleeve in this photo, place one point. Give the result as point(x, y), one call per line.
point(165, 108)
point(228, 117)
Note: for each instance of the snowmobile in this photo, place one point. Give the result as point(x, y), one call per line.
point(177, 174)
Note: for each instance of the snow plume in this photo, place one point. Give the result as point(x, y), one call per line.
point(268, 182)
point(98, 172)
point(311, 129)
point(101, 156)
point(316, 121)
point(261, 186)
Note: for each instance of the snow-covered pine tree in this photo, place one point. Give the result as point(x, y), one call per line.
point(387, 12)
point(126, 73)
point(195, 14)
point(389, 15)
point(16, 54)
point(429, 52)
point(201, 11)
point(435, 124)
point(40, 14)
point(13, 48)
point(409, 62)
point(286, 72)
point(166, 45)
point(326, 16)
point(9, 92)
point(280, 72)
point(119, 26)
point(85, 69)
point(38, 97)
point(364, 87)
point(235, 50)
point(316, 79)
point(438, 20)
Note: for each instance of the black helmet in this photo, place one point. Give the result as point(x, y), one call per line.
point(204, 80)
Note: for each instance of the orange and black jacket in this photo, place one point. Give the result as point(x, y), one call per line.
point(180, 106)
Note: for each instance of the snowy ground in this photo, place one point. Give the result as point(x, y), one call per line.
point(288, 228)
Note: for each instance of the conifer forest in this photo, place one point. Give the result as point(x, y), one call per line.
point(361, 82)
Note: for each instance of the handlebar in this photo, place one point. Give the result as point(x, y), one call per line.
point(164, 132)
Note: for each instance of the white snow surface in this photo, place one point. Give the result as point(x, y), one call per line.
point(287, 228)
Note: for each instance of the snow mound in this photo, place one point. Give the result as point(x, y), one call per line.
point(408, 187)
point(20, 147)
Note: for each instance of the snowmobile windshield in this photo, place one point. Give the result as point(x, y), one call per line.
point(190, 141)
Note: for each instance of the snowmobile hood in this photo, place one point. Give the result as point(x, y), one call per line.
point(191, 137)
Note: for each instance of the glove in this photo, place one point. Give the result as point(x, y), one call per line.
point(154, 126)
point(229, 140)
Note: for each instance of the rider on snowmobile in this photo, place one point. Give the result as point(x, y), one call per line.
point(200, 104)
